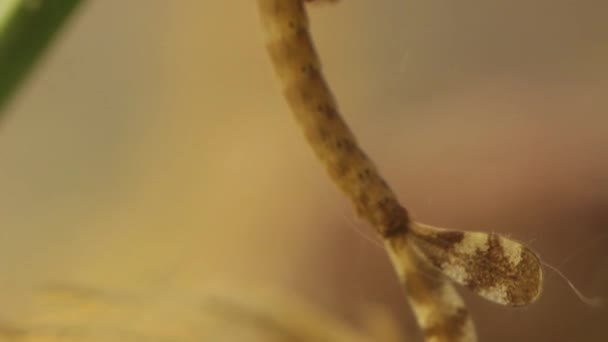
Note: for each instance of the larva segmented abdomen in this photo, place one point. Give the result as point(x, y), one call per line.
point(297, 66)
point(439, 310)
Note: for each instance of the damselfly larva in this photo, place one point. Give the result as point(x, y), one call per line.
point(425, 258)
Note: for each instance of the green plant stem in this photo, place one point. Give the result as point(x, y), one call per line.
point(26, 29)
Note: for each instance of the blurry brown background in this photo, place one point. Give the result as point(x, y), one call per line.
point(152, 153)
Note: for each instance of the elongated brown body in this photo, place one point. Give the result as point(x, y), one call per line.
point(298, 67)
point(440, 312)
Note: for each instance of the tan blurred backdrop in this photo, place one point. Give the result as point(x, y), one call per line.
point(151, 153)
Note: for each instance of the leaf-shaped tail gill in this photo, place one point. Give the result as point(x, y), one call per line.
point(499, 269)
point(439, 310)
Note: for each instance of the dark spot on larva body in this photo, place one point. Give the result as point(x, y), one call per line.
point(310, 71)
point(394, 218)
point(328, 111)
point(301, 35)
point(383, 202)
point(444, 240)
point(345, 145)
point(364, 175)
point(450, 238)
